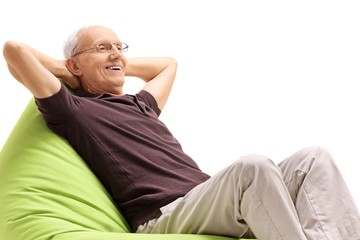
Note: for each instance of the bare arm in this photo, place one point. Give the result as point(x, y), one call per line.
point(36, 71)
point(158, 73)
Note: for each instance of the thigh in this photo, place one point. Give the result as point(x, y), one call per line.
point(249, 193)
point(212, 207)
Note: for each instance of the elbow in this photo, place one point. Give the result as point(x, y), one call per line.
point(11, 49)
point(12, 52)
point(173, 63)
point(8, 48)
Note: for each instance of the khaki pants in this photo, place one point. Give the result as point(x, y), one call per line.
point(305, 197)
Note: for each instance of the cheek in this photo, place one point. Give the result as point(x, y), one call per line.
point(91, 79)
point(124, 61)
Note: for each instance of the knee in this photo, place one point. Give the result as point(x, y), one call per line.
point(255, 160)
point(316, 154)
point(313, 150)
point(307, 158)
point(324, 159)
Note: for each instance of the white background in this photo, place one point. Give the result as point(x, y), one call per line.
point(265, 77)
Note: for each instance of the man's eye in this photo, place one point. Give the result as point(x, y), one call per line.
point(101, 47)
point(119, 46)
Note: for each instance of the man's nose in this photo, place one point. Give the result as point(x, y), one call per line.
point(115, 51)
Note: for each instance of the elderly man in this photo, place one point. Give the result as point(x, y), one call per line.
point(155, 184)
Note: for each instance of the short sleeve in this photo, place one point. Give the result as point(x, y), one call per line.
point(59, 107)
point(149, 100)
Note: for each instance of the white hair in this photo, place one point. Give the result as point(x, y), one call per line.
point(71, 46)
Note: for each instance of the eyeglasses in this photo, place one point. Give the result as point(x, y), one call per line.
point(106, 47)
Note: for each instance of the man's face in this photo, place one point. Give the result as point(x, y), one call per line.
point(101, 63)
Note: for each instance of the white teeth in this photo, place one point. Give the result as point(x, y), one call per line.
point(114, 68)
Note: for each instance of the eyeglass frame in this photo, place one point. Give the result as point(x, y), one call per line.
point(123, 48)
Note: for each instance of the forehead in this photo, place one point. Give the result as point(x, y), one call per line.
point(92, 35)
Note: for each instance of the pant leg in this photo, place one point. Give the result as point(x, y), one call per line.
point(325, 207)
point(249, 193)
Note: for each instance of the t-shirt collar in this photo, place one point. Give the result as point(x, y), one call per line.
point(82, 93)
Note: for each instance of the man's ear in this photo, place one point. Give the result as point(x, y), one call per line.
point(73, 67)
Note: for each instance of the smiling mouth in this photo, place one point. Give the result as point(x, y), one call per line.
point(115, 68)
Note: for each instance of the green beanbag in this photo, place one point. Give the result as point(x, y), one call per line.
point(48, 192)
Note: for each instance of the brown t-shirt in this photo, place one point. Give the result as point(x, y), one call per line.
point(129, 149)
